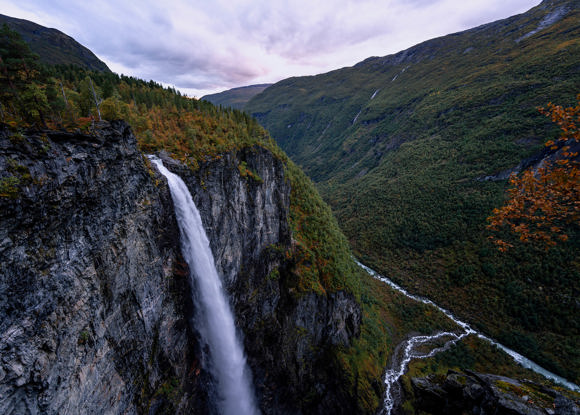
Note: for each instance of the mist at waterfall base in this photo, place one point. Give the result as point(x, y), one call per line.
point(216, 322)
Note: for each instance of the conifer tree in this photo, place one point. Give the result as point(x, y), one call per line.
point(21, 90)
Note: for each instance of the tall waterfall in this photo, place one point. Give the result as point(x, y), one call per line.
point(228, 362)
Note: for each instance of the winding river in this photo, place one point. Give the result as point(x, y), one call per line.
point(410, 347)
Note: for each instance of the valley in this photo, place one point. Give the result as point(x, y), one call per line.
point(401, 146)
point(162, 254)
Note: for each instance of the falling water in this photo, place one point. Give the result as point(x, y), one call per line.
point(228, 363)
point(399, 366)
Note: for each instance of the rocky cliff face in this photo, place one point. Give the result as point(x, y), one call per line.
point(93, 313)
point(289, 338)
point(95, 301)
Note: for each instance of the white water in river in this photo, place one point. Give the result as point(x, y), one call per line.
point(228, 363)
point(400, 365)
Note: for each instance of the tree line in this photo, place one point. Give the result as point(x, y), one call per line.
point(34, 95)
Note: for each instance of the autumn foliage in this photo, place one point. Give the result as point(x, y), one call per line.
point(544, 202)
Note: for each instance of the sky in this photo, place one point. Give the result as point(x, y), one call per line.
point(206, 46)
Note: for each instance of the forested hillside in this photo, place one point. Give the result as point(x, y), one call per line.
point(413, 151)
point(52, 46)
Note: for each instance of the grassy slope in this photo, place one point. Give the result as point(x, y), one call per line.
point(236, 97)
point(401, 179)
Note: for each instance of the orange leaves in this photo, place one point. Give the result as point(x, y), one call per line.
point(544, 202)
point(568, 119)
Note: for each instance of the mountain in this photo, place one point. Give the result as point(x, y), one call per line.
point(98, 308)
point(53, 46)
point(400, 146)
point(236, 97)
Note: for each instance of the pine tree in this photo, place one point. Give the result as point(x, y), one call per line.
point(21, 87)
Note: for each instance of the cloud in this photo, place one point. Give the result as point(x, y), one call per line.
point(203, 45)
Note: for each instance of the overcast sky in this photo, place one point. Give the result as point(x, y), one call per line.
point(204, 46)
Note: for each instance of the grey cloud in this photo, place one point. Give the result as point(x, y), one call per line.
point(202, 44)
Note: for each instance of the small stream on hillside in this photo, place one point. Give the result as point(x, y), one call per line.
point(409, 349)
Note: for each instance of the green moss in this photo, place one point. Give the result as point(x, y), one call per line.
point(83, 337)
point(274, 275)
point(9, 187)
point(170, 389)
point(247, 172)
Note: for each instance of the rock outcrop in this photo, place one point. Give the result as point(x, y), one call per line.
point(95, 303)
point(289, 337)
point(476, 393)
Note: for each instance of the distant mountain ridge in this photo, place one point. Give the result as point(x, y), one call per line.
point(397, 143)
point(53, 46)
point(235, 97)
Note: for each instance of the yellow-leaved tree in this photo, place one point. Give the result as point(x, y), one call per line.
point(544, 201)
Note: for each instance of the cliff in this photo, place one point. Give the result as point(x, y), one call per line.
point(289, 337)
point(95, 303)
point(94, 313)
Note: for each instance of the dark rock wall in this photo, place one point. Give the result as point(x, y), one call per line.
point(288, 337)
point(95, 302)
point(477, 393)
point(91, 311)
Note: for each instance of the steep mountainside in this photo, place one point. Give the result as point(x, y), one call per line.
point(93, 308)
point(53, 46)
point(235, 97)
point(400, 147)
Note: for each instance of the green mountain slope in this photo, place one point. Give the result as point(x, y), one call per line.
point(237, 97)
point(399, 146)
point(53, 46)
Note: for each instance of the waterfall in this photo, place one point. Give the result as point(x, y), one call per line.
point(216, 323)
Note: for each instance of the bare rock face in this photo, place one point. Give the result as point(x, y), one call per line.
point(92, 308)
point(95, 302)
point(289, 338)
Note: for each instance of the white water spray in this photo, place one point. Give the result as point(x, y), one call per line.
point(399, 367)
point(228, 366)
